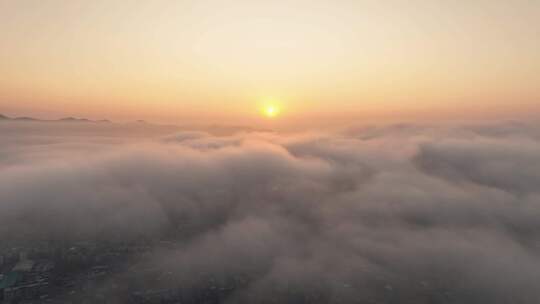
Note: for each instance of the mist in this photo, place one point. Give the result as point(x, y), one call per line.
point(402, 213)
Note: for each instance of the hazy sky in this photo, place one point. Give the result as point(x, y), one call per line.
point(219, 60)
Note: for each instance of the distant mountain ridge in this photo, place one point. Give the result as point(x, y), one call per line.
point(214, 129)
point(65, 119)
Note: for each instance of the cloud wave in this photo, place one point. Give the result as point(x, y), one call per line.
point(396, 214)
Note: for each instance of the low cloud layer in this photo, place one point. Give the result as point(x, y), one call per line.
point(395, 214)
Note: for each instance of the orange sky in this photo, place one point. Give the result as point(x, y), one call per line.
point(217, 61)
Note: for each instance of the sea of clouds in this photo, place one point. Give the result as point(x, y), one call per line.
point(403, 213)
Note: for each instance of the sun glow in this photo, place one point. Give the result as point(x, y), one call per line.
point(271, 111)
point(270, 107)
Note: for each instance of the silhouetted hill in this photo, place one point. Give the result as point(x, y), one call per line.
point(24, 118)
point(73, 119)
point(65, 119)
point(141, 125)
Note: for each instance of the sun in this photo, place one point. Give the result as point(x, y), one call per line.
point(271, 111)
point(270, 107)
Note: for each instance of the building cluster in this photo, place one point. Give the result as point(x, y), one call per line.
point(98, 272)
point(53, 272)
point(24, 278)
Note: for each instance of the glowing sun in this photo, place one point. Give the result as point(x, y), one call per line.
point(271, 111)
